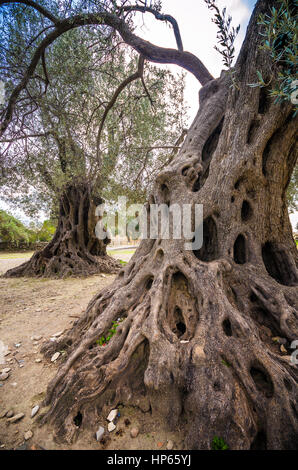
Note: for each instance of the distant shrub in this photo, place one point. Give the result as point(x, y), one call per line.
point(219, 444)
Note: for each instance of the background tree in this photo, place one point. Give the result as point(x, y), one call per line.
point(194, 345)
point(91, 111)
point(13, 231)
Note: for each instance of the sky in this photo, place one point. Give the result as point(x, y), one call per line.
point(198, 36)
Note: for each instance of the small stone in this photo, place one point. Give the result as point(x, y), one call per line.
point(56, 335)
point(112, 415)
point(16, 418)
point(14, 384)
point(170, 445)
point(279, 340)
point(17, 345)
point(52, 339)
point(37, 360)
point(28, 435)
point(134, 432)
point(34, 411)
point(103, 275)
point(99, 433)
point(7, 353)
point(160, 444)
point(283, 349)
point(55, 357)
point(9, 414)
point(36, 338)
point(184, 341)
point(4, 376)
point(111, 427)
point(6, 370)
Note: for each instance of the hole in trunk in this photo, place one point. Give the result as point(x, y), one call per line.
point(159, 255)
point(252, 130)
point(237, 184)
point(266, 153)
point(227, 327)
point(259, 442)
point(182, 315)
point(185, 170)
point(246, 211)
point(209, 250)
point(197, 185)
point(78, 419)
point(262, 381)
point(149, 283)
point(240, 250)
point(277, 264)
point(211, 143)
point(264, 100)
point(180, 327)
point(216, 386)
point(165, 194)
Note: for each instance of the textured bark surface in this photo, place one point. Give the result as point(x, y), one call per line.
point(228, 379)
point(74, 249)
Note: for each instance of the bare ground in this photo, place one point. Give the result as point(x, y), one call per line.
point(38, 307)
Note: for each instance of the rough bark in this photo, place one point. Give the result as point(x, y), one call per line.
point(230, 379)
point(74, 250)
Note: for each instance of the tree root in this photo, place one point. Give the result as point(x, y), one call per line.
point(214, 376)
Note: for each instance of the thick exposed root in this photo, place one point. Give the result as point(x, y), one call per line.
point(207, 365)
point(74, 250)
point(64, 265)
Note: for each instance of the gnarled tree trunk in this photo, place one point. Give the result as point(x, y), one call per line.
point(195, 347)
point(74, 250)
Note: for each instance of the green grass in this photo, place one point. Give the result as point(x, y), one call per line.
point(120, 252)
point(225, 363)
point(219, 444)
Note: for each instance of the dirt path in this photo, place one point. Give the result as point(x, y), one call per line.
point(41, 307)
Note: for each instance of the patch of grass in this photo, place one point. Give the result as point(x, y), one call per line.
point(124, 263)
point(121, 252)
point(219, 444)
point(102, 341)
point(225, 363)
